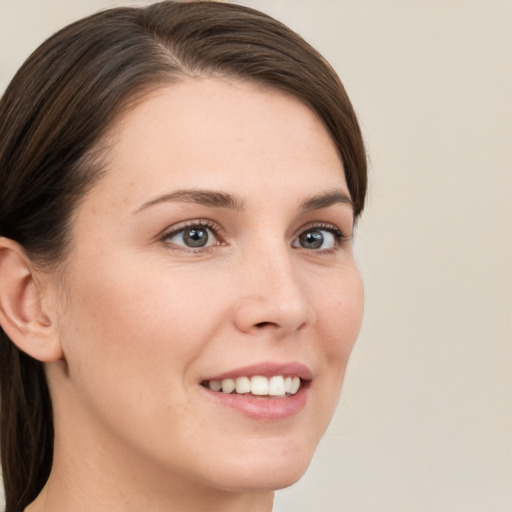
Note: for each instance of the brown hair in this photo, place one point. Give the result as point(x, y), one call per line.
point(64, 99)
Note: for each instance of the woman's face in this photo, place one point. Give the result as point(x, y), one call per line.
point(217, 246)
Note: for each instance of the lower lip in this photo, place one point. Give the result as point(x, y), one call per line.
point(265, 408)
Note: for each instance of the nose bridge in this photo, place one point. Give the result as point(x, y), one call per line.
point(272, 295)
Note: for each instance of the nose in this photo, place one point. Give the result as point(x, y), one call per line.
point(272, 296)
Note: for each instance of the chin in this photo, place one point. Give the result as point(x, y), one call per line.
point(283, 479)
point(265, 481)
point(266, 470)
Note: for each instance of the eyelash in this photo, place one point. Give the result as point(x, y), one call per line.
point(339, 236)
point(201, 224)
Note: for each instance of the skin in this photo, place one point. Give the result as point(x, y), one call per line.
point(141, 319)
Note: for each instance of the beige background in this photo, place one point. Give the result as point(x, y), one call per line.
point(425, 423)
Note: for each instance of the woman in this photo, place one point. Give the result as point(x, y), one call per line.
point(179, 298)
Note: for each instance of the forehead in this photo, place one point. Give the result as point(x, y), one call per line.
point(231, 135)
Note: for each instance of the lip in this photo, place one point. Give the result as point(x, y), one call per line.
point(264, 408)
point(267, 369)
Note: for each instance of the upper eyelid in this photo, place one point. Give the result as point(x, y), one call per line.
point(323, 225)
point(176, 228)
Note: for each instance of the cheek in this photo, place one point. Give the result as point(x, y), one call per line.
point(127, 322)
point(340, 314)
point(131, 335)
point(339, 317)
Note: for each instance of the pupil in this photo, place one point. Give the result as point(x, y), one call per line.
point(312, 239)
point(196, 237)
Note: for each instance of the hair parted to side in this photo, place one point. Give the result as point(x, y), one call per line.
point(53, 116)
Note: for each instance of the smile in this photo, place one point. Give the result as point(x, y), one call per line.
point(268, 391)
point(257, 385)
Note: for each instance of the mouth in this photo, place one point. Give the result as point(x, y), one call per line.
point(276, 386)
point(266, 391)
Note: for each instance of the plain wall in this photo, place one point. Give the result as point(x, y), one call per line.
point(425, 420)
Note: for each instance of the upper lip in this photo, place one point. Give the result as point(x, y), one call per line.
point(267, 369)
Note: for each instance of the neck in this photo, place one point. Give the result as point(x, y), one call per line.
point(99, 473)
point(82, 492)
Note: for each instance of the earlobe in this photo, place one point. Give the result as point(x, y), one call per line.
point(22, 315)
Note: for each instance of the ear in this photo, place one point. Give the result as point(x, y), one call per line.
point(22, 312)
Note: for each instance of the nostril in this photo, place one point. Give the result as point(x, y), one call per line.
point(264, 324)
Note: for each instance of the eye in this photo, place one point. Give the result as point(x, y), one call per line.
point(196, 236)
point(318, 238)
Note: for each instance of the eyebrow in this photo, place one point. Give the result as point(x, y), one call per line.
point(326, 199)
point(215, 199)
point(209, 198)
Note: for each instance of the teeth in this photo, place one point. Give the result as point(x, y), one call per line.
point(258, 385)
point(243, 385)
point(216, 385)
point(276, 386)
point(228, 385)
point(295, 385)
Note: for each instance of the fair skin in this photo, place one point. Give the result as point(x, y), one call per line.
point(139, 323)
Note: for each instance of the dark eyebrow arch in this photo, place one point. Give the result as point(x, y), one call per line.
point(209, 198)
point(326, 199)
